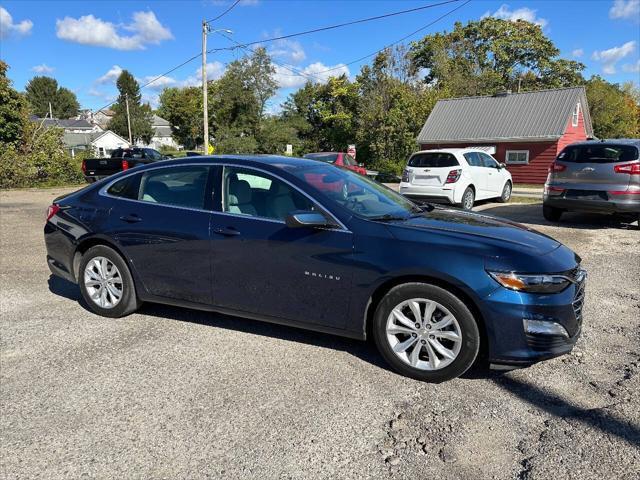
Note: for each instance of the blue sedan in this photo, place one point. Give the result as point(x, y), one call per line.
point(308, 244)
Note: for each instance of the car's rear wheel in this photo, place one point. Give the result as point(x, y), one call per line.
point(506, 193)
point(468, 199)
point(425, 332)
point(106, 283)
point(552, 214)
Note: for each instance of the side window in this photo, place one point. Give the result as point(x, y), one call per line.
point(488, 160)
point(257, 194)
point(178, 186)
point(473, 159)
point(128, 187)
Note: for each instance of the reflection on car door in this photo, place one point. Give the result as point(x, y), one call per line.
point(495, 176)
point(262, 266)
point(479, 174)
point(161, 223)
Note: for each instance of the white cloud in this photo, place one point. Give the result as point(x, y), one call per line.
point(111, 76)
point(89, 30)
point(609, 58)
point(577, 53)
point(316, 72)
point(158, 83)
point(44, 68)
point(289, 50)
point(625, 9)
point(523, 13)
point(631, 67)
point(7, 27)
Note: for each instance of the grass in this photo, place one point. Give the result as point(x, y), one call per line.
point(518, 199)
point(528, 185)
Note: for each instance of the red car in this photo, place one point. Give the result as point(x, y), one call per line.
point(340, 159)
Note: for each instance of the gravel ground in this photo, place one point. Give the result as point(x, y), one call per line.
point(175, 393)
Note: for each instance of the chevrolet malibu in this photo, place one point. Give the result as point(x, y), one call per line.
point(307, 244)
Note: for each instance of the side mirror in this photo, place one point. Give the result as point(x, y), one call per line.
point(501, 166)
point(361, 164)
point(308, 219)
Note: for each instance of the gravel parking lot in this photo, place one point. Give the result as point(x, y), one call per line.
point(175, 393)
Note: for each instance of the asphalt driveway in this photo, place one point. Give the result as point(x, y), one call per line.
point(175, 393)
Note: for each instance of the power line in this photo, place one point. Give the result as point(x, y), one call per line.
point(345, 24)
point(225, 12)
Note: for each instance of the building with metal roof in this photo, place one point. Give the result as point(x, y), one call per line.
point(525, 130)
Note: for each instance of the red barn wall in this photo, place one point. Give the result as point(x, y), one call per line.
point(541, 155)
point(573, 134)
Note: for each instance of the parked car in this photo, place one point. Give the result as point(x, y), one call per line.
point(271, 238)
point(594, 176)
point(340, 159)
point(458, 176)
point(121, 159)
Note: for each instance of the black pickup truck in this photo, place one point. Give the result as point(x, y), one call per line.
point(121, 159)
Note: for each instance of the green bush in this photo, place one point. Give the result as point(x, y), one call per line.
point(39, 161)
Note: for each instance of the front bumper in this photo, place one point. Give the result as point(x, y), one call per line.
point(505, 312)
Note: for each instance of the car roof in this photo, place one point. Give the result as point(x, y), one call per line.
point(276, 161)
point(610, 141)
point(451, 150)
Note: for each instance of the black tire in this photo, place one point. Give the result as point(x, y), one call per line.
point(468, 199)
point(129, 302)
point(506, 193)
point(468, 328)
point(551, 214)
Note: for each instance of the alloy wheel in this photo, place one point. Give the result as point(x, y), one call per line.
point(467, 200)
point(103, 282)
point(424, 334)
point(506, 192)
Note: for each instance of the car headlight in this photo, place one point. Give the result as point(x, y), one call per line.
point(531, 283)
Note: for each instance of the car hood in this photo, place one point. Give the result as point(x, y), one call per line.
point(482, 228)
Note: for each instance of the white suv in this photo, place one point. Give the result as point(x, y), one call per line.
point(459, 176)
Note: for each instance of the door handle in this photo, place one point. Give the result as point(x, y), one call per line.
point(227, 232)
point(133, 218)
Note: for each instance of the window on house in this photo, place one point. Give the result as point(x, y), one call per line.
point(576, 115)
point(517, 157)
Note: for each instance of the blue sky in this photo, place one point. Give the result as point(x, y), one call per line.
point(84, 44)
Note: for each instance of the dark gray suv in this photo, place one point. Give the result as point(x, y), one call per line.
point(595, 176)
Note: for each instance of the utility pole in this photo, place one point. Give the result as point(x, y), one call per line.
point(205, 112)
point(50, 112)
point(126, 100)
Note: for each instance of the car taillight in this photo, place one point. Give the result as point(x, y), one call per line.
point(125, 165)
point(548, 189)
point(83, 166)
point(52, 210)
point(557, 167)
point(629, 168)
point(405, 175)
point(454, 176)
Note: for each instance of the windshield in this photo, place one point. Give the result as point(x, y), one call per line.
point(324, 157)
point(363, 197)
point(599, 153)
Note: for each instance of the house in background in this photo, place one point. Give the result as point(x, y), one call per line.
point(526, 131)
point(101, 144)
point(162, 135)
point(71, 125)
point(101, 117)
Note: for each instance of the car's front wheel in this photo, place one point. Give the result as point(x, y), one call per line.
point(106, 283)
point(425, 332)
point(506, 193)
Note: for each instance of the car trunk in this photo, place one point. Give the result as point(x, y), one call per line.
point(431, 169)
point(590, 170)
point(102, 166)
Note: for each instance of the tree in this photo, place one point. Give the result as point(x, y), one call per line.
point(182, 107)
point(485, 56)
point(239, 98)
point(614, 111)
point(13, 109)
point(141, 115)
point(42, 91)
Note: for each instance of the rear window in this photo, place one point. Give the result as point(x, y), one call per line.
point(121, 153)
point(599, 153)
point(433, 160)
point(324, 157)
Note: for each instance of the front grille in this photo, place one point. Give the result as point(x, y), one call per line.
point(578, 302)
